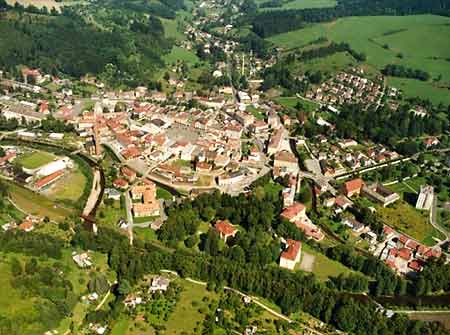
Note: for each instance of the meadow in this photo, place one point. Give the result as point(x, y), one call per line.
point(300, 4)
point(405, 218)
point(36, 204)
point(422, 40)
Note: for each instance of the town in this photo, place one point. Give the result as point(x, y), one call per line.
point(227, 196)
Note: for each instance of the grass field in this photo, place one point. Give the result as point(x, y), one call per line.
point(407, 219)
point(110, 215)
point(291, 102)
point(69, 188)
point(181, 54)
point(423, 40)
point(330, 64)
point(185, 316)
point(301, 4)
point(324, 267)
point(35, 159)
point(12, 305)
point(163, 194)
point(36, 204)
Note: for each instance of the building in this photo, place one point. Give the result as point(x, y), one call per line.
point(225, 229)
point(82, 260)
point(159, 284)
point(380, 194)
point(426, 197)
point(148, 205)
point(47, 180)
point(353, 187)
point(286, 160)
point(294, 212)
point(291, 255)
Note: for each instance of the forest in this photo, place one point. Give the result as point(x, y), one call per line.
point(270, 23)
point(292, 291)
point(385, 126)
point(395, 70)
point(66, 44)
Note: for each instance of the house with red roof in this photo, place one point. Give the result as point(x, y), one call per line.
point(120, 183)
point(294, 212)
point(128, 173)
point(415, 265)
point(225, 229)
point(353, 187)
point(27, 225)
point(291, 255)
point(405, 254)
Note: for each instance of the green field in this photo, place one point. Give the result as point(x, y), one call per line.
point(423, 40)
point(69, 188)
point(405, 218)
point(301, 4)
point(35, 159)
point(324, 267)
point(181, 54)
point(171, 29)
point(163, 194)
point(36, 204)
point(291, 102)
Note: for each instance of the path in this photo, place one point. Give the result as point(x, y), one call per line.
point(100, 305)
point(253, 299)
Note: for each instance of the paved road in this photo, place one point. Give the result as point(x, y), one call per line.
point(433, 220)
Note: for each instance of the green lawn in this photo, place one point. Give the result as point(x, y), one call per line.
point(324, 267)
point(69, 188)
point(171, 29)
point(408, 35)
point(291, 102)
point(405, 218)
point(185, 316)
point(163, 194)
point(301, 4)
point(111, 214)
point(35, 159)
point(331, 64)
point(180, 54)
point(146, 234)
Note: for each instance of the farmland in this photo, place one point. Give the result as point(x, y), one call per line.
point(382, 39)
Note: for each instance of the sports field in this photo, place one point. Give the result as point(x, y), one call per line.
point(35, 159)
point(422, 40)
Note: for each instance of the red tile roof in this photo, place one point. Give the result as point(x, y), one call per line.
point(353, 185)
point(48, 179)
point(404, 253)
point(415, 265)
point(388, 230)
point(291, 253)
point(225, 227)
point(121, 183)
point(292, 211)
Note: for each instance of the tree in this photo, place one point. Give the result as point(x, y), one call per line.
point(124, 287)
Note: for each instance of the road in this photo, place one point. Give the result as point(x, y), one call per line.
point(130, 221)
point(434, 223)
